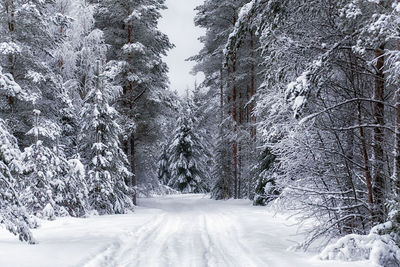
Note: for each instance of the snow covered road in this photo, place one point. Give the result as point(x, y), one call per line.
point(184, 230)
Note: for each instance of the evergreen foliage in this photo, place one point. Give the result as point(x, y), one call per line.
point(266, 188)
point(187, 158)
point(12, 212)
point(107, 162)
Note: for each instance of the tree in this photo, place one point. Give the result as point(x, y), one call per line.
point(231, 78)
point(12, 213)
point(52, 186)
point(43, 172)
point(187, 158)
point(25, 53)
point(130, 30)
point(108, 166)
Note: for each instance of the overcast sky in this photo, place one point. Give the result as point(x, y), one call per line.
point(177, 23)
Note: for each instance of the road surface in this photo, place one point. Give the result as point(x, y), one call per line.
point(194, 231)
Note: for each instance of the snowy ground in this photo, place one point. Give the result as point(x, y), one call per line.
point(184, 230)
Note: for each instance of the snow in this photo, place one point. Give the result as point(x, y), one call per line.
point(76, 167)
point(296, 92)
point(9, 48)
point(380, 249)
point(134, 47)
point(177, 230)
point(8, 84)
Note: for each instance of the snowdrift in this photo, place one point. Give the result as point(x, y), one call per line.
point(379, 249)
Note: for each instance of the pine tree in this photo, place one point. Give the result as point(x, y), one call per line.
point(230, 72)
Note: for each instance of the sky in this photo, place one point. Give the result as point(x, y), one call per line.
point(177, 23)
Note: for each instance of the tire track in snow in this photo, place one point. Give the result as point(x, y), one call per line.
point(189, 233)
point(110, 256)
point(224, 238)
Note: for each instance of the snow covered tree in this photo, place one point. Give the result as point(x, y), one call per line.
point(25, 52)
point(73, 192)
point(108, 166)
point(42, 173)
point(130, 31)
point(187, 158)
point(51, 187)
point(73, 60)
point(12, 213)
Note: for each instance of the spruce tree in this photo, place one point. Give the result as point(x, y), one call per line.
point(187, 158)
point(101, 147)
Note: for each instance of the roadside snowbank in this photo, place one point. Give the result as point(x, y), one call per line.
point(378, 249)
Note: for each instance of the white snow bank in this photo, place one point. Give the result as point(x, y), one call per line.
point(378, 249)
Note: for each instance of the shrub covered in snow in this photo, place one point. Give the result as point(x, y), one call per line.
point(377, 247)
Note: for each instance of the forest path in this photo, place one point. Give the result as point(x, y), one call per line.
point(194, 231)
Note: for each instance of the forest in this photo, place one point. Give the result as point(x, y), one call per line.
point(299, 110)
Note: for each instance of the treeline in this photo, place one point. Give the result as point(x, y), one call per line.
point(308, 107)
point(83, 107)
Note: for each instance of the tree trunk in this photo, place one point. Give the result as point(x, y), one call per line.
point(131, 156)
point(367, 171)
point(10, 11)
point(235, 129)
point(253, 128)
point(379, 114)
